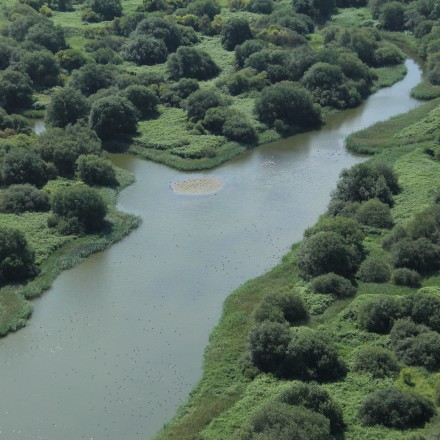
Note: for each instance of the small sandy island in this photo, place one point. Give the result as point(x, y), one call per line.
point(202, 185)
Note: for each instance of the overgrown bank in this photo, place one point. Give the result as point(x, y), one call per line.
point(233, 389)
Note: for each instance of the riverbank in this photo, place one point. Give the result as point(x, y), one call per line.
point(225, 397)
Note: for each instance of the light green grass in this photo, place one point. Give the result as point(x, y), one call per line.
point(425, 91)
point(351, 17)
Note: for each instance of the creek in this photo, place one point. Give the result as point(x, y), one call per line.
point(116, 345)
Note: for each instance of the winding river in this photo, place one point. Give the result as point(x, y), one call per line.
point(117, 343)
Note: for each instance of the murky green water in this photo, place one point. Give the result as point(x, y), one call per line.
point(117, 343)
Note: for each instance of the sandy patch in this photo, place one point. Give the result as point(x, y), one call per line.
point(202, 185)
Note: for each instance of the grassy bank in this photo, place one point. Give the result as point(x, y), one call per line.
point(225, 398)
point(55, 253)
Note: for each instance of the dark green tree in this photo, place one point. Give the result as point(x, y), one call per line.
point(42, 68)
point(235, 31)
point(377, 361)
point(200, 101)
point(48, 35)
point(144, 100)
point(144, 49)
point(66, 106)
point(392, 16)
point(379, 313)
point(106, 9)
point(189, 62)
point(15, 90)
point(157, 27)
point(23, 197)
point(95, 170)
point(91, 77)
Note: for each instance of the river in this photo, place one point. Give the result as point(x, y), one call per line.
point(117, 343)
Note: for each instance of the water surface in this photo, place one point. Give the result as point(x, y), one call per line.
point(117, 343)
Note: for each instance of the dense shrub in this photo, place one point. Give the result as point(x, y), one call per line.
point(374, 213)
point(235, 31)
point(366, 181)
point(392, 16)
point(23, 166)
point(313, 397)
point(42, 68)
point(112, 117)
point(15, 90)
point(46, 34)
point(144, 49)
point(426, 224)
point(200, 8)
point(396, 408)
point(276, 420)
point(160, 29)
point(290, 305)
point(91, 77)
point(421, 350)
point(312, 355)
point(106, 9)
point(176, 92)
point(374, 270)
point(406, 277)
point(201, 100)
point(16, 257)
point(23, 197)
point(71, 59)
point(260, 6)
point(379, 313)
point(405, 328)
point(326, 252)
point(66, 106)
point(398, 233)
point(377, 361)
point(318, 9)
point(244, 81)
point(95, 170)
point(333, 284)
point(421, 255)
point(268, 343)
point(189, 62)
point(62, 147)
point(240, 130)
point(245, 50)
point(387, 55)
point(424, 308)
point(78, 209)
point(144, 100)
point(289, 103)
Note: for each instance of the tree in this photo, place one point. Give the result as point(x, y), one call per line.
point(48, 35)
point(424, 308)
point(289, 103)
point(314, 398)
point(23, 166)
point(268, 343)
point(112, 117)
point(201, 100)
point(377, 361)
point(333, 284)
point(235, 31)
point(405, 328)
point(395, 408)
point(240, 130)
point(144, 100)
point(379, 313)
point(375, 213)
point(374, 270)
point(392, 16)
point(200, 8)
point(189, 62)
point(66, 106)
point(405, 277)
point(23, 197)
point(95, 170)
point(421, 255)
point(16, 257)
point(318, 9)
point(160, 29)
point(311, 355)
point(78, 209)
point(144, 49)
point(91, 77)
point(245, 50)
point(71, 59)
point(106, 9)
point(15, 90)
point(42, 68)
point(327, 252)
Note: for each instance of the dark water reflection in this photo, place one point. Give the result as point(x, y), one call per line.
point(117, 343)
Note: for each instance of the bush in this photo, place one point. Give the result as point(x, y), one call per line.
point(366, 181)
point(374, 213)
point(244, 81)
point(421, 255)
point(23, 166)
point(92, 77)
point(377, 361)
point(106, 9)
point(392, 16)
point(374, 270)
point(311, 355)
point(333, 284)
point(313, 397)
point(66, 106)
point(78, 209)
point(176, 92)
point(397, 234)
point(189, 62)
point(406, 277)
point(15, 90)
point(144, 49)
point(279, 421)
point(200, 8)
point(95, 170)
point(16, 258)
point(327, 252)
point(46, 34)
point(112, 117)
point(424, 308)
point(396, 408)
point(22, 198)
point(387, 55)
point(268, 343)
point(200, 101)
point(379, 313)
point(260, 6)
point(71, 59)
point(245, 50)
point(240, 130)
point(160, 29)
point(289, 103)
point(144, 100)
point(42, 68)
point(290, 305)
point(234, 32)
point(405, 328)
